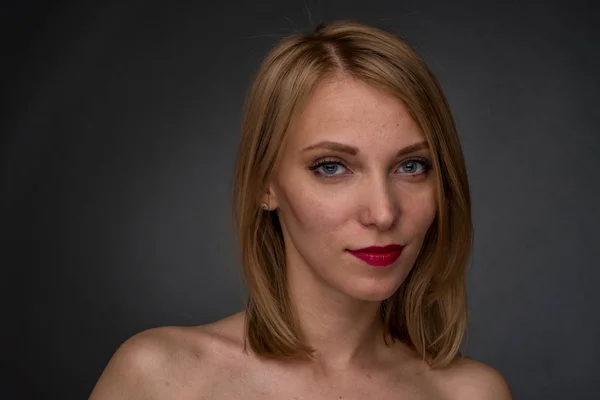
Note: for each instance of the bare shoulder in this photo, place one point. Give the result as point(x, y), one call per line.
point(172, 362)
point(468, 379)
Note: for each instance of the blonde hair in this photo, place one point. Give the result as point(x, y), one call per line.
point(428, 312)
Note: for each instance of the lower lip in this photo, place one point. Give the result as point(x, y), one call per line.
point(378, 259)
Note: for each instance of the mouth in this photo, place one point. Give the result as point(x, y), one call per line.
point(378, 256)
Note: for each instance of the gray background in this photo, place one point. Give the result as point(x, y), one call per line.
point(119, 129)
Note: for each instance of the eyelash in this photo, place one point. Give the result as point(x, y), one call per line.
point(318, 164)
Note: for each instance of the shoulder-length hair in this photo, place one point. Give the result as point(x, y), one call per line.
point(428, 312)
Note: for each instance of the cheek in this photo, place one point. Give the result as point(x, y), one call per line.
point(319, 215)
point(313, 217)
point(310, 212)
point(419, 209)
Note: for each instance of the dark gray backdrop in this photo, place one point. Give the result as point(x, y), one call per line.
point(119, 128)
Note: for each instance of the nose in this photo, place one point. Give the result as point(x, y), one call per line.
point(379, 207)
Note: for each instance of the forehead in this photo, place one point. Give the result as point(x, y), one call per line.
point(351, 111)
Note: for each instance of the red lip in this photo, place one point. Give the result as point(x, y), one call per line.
point(378, 256)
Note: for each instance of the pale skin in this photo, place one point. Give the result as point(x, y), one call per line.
point(374, 189)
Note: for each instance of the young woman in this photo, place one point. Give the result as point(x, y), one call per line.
point(352, 211)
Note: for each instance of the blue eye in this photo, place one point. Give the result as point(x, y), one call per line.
point(331, 168)
point(328, 168)
point(415, 166)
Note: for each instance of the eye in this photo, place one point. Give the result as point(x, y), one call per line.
point(415, 166)
point(328, 168)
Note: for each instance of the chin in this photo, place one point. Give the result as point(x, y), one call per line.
point(377, 288)
point(374, 297)
point(373, 292)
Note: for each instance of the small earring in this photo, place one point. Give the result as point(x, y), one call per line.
point(264, 206)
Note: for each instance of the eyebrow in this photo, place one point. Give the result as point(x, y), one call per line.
point(344, 148)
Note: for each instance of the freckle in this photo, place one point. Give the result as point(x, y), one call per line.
point(369, 376)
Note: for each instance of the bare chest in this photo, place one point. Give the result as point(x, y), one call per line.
point(315, 393)
point(281, 387)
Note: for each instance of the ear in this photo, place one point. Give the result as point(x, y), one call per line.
point(270, 198)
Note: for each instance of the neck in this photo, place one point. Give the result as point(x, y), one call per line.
point(343, 331)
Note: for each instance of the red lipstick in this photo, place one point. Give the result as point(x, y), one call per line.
point(378, 256)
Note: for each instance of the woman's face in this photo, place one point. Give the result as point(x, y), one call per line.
point(355, 173)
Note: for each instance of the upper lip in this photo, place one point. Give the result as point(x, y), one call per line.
point(378, 249)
